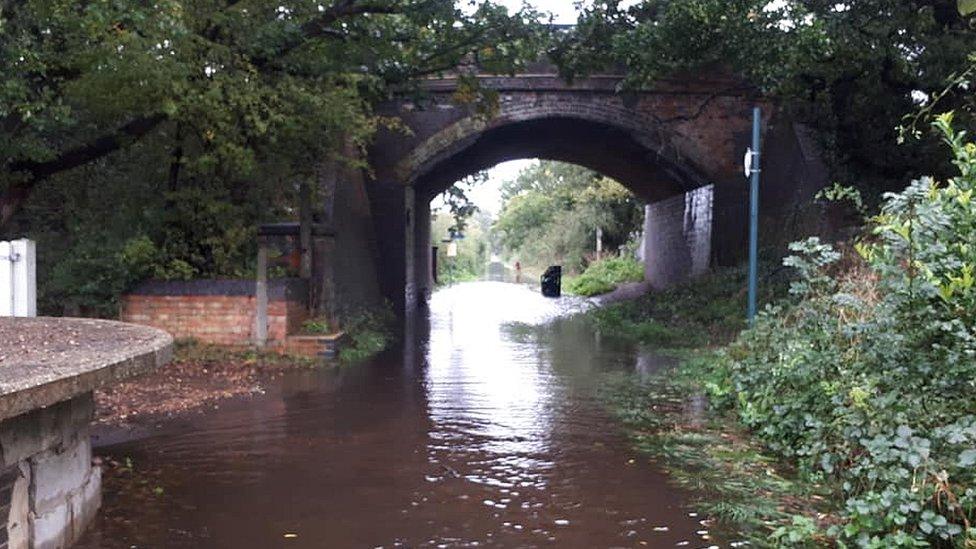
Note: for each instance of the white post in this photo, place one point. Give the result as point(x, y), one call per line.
point(18, 278)
point(6, 280)
point(25, 278)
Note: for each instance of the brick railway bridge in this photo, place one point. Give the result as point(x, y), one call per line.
point(678, 146)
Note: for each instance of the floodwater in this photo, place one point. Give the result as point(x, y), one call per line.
point(484, 430)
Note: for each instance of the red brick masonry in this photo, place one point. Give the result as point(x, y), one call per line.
point(216, 311)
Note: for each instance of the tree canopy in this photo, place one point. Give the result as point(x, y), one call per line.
point(152, 137)
point(552, 211)
point(240, 86)
point(851, 70)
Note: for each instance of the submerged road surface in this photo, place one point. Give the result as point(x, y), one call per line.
point(483, 430)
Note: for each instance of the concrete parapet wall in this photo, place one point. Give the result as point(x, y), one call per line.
point(48, 488)
point(216, 311)
point(49, 368)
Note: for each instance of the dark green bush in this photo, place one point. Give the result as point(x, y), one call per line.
point(370, 331)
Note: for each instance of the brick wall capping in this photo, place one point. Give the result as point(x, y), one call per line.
point(44, 361)
point(279, 289)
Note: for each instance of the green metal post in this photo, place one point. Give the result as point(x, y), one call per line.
point(754, 215)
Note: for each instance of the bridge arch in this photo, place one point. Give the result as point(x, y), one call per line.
point(677, 146)
point(601, 147)
point(607, 138)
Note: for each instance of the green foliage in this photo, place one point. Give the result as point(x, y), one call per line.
point(369, 332)
point(246, 84)
point(731, 477)
point(843, 194)
point(317, 326)
point(459, 205)
point(473, 250)
point(588, 285)
point(148, 139)
point(868, 379)
point(967, 7)
point(605, 275)
point(552, 210)
point(104, 227)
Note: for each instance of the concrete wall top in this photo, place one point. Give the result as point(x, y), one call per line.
point(44, 361)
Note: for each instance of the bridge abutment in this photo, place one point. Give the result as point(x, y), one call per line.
point(394, 224)
point(423, 277)
point(678, 237)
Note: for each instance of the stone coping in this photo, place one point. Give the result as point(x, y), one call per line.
point(44, 361)
point(279, 289)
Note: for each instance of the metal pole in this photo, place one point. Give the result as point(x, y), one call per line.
point(261, 297)
point(754, 215)
point(305, 230)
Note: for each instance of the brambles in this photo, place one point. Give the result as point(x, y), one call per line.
point(867, 382)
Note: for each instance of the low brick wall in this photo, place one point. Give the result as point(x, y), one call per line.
point(217, 311)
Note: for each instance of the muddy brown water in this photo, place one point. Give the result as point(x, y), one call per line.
point(484, 430)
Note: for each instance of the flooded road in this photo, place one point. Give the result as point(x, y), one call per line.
point(484, 430)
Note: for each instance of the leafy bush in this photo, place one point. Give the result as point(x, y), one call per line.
point(370, 331)
point(868, 380)
point(589, 285)
point(604, 276)
point(317, 325)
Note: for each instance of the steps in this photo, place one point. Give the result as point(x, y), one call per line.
point(314, 346)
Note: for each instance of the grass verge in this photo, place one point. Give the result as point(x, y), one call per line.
point(749, 492)
point(752, 493)
point(604, 276)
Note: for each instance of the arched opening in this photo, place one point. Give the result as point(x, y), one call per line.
point(620, 154)
point(520, 217)
point(605, 148)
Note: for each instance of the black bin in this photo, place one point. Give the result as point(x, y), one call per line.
point(552, 281)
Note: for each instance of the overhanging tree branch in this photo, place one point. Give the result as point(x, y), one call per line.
point(28, 173)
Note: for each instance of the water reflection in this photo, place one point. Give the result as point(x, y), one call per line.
point(482, 431)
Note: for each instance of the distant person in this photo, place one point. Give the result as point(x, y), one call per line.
point(518, 272)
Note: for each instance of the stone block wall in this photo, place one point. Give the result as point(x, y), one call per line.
point(217, 311)
point(49, 490)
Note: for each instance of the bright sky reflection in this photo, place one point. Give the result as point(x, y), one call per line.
point(487, 394)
